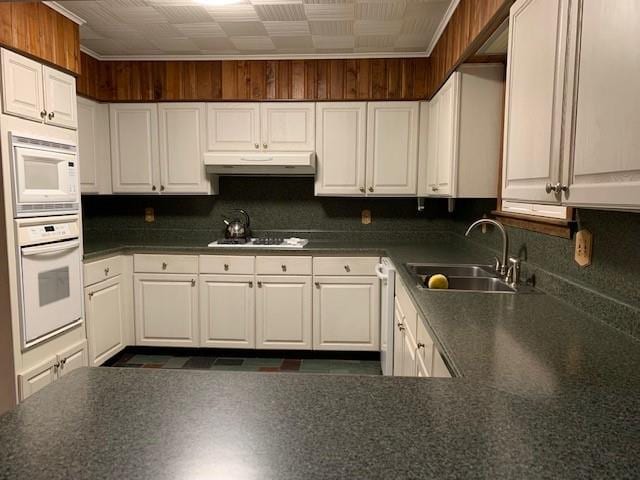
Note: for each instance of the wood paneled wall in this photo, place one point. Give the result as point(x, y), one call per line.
point(471, 24)
point(34, 29)
point(357, 79)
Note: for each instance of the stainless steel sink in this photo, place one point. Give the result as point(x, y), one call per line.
point(463, 278)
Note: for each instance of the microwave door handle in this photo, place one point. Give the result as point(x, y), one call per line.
point(50, 249)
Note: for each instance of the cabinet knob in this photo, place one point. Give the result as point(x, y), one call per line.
point(153, 188)
point(193, 282)
point(434, 189)
point(257, 145)
point(63, 362)
point(226, 267)
point(51, 115)
point(162, 188)
point(371, 189)
point(106, 271)
point(347, 268)
point(284, 268)
point(164, 265)
point(420, 345)
point(264, 145)
point(43, 113)
point(91, 295)
point(250, 284)
point(362, 189)
point(259, 284)
point(317, 284)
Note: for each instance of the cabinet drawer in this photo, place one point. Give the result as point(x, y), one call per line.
point(236, 265)
point(145, 263)
point(345, 265)
point(284, 265)
point(102, 269)
point(406, 306)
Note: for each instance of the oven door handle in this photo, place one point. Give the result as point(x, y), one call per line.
point(50, 249)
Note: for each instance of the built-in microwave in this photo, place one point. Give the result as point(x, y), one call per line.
point(45, 177)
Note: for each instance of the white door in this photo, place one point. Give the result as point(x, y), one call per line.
point(288, 127)
point(283, 312)
point(604, 166)
point(60, 98)
point(182, 137)
point(134, 147)
point(104, 306)
point(392, 148)
point(94, 151)
point(445, 139)
point(533, 111)
point(72, 358)
point(233, 127)
point(340, 147)
point(22, 87)
point(38, 377)
point(346, 313)
point(166, 308)
point(227, 311)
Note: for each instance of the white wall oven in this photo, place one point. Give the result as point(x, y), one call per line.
point(45, 176)
point(49, 277)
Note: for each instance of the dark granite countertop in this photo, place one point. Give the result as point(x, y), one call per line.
point(543, 390)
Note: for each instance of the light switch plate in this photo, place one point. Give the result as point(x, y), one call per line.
point(366, 217)
point(584, 248)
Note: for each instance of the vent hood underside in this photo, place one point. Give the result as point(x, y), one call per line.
point(267, 163)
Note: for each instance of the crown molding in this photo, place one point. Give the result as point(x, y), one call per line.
point(312, 56)
point(67, 13)
point(442, 25)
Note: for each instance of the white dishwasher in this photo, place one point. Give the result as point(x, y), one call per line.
point(386, 272)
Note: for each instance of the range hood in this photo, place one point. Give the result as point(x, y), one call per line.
point(266, 163)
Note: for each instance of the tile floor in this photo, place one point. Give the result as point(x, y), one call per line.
point(247, 364)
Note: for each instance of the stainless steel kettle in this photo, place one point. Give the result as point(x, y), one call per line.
point(236, 228)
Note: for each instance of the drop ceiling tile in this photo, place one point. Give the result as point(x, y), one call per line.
point(176, 45)
point(87, 32)
point(243, 29)
point(415, 41)
point(139, 15)
point(196, 30)
point(346, 41)
point(293, 43)
point(327, 28)
point(233, 13)
point(160, 30)
point(418, 25)
point(253, 44)
point(184, 14)
point(213, 44)
point(287, 29)
point(334, 11)
point(376, 41)
point(377, 27)
point(433, 8)
point(287, 12)
point(381, 10)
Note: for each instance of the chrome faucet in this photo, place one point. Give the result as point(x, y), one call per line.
point(501, 266)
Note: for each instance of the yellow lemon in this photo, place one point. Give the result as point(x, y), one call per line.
point(438, 281)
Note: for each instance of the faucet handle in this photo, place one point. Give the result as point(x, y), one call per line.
point(496, 264)
point(513, 273)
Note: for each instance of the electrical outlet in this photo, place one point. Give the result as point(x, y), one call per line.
point(584, 250)
point(366, 217)
point(149, 215)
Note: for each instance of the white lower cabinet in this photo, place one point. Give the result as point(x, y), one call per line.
point(283, 312)
point(409, 354)
point(64, 362)
point(346, 313)
point(166, 308)
point(106, 317)
point(227, 311)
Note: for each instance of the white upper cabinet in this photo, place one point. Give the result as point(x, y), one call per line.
point(22, 87)
point(94, 151)
point(233, 126)
point(36, 92)
point(603, 140)
point(288, 126)
point(134, 147)
point(256, 127)
point(533, 110)
point(392, 148)
point(463, 134)
point(182, 137)
point(60, 98)
point(340, 147)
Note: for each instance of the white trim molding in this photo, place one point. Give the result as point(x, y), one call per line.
point(63, 11)
point(443, 24)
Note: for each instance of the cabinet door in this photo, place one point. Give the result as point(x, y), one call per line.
point(233, 127)
point(72, 358)
point(604, 166)
point(446, 138)
point(398, 340)
point(283, 312)
point(22, 87)
point(288, 126)
point(60, 98)
point(105, 315)
point(94, 152)
point(166, 308)
point(227, 311)
point(134, 147)
point(36, 378)
point(346, 313)
point(533, 111)
point(341, 139)
point(409, 355)
point(392, 148)
point(182, 136)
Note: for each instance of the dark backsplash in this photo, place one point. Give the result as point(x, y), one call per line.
point(608, 288)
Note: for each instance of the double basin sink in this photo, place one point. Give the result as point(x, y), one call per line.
point(463, 278)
